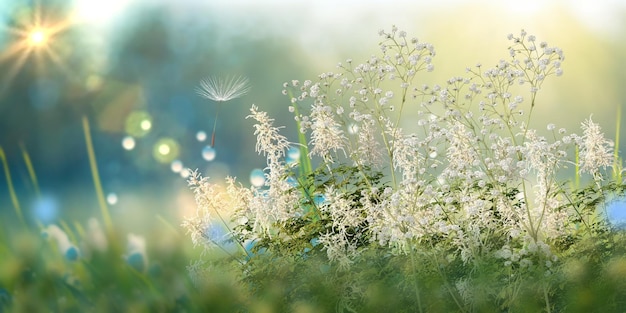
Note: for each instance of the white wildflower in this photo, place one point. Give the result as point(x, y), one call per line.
point(326, 133)
point(595, 150)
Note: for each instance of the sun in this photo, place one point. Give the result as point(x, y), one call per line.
point(35, 39)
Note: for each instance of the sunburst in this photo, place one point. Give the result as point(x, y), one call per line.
point(35, 33)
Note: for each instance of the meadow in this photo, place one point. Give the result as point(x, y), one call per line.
point(468, 207)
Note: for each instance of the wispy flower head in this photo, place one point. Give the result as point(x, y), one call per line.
point(222, 89)
point(595, 151)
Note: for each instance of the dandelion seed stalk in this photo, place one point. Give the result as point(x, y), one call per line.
point(220, 90)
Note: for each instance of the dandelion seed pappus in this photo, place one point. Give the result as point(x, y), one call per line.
point(220, 89)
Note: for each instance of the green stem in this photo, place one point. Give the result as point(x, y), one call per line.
point(577, 168)
point(417, 291)
point(617, 166)
point(7, 174)
point(104, 210)
point(217, 112)
point(547, 299)
point(305, 162)
point(31, 169)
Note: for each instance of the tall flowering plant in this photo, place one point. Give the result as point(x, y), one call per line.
point(463, 187)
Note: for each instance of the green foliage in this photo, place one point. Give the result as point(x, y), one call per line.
point(469, 215)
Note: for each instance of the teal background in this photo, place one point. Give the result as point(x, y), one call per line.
point(107, 61)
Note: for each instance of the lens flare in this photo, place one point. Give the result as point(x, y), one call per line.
point(146, 124)
point(293, 155)
point(257, 177)
point(185, 173)
point(128, 143)
point(201, 136)
point(176, 166)
point(617, 213)
point(37, 37)
point(138, 123)
point(37, 41)
point(166, 150)
point(46, 209)
point(208, 153)
point(112, 198)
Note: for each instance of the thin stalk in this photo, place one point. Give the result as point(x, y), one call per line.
point(447, 285)
point(577, 169)
point(308, 195)
point(12, 193)
point(31, 169)
point(104, 210)
point(417, 291)
point(305, 162)
point(217, 113)
point(230, 231)
point(617, 166)
point(547, 299)
point(219, 246)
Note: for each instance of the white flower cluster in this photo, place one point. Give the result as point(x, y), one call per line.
point(475, 179)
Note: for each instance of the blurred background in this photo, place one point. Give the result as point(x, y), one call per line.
point(132, 66)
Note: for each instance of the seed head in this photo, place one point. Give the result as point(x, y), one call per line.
point(223, 89)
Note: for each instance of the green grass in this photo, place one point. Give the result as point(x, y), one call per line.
point(36, 277)
point(12, 194)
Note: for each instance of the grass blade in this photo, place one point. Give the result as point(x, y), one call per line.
point(31, 169)
point(96, 177)
point(7, 174)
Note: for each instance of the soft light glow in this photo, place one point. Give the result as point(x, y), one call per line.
point(146, 124)
point(208, 153)
point(37, 37)
point(37, 33)
point(138, 123)
point(185, 173)
point(257, 178)
point(99, 13)
point(128, 143)
point(112, 198)
point(176, 166)
point(201, 136)
point(164, 149)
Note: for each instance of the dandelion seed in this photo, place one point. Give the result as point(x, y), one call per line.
point(222, 90)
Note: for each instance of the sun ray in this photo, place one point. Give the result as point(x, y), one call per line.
point(36, 39)
point(13, 70)
point(56, 59)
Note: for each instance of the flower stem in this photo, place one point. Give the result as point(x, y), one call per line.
point(217, 112)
